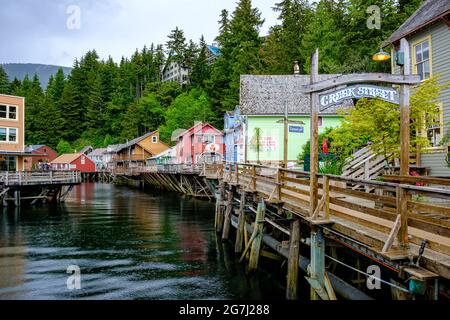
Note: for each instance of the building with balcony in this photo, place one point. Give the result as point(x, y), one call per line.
point(200, 144)
point(136, 152)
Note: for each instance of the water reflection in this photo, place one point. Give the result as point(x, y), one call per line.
point(129, 244)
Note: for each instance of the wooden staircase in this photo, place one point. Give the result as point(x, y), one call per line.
point(364, 164)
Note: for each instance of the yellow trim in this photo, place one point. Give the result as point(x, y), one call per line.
point(413, 53)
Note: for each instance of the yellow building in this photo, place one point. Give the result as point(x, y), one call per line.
point(136, 152)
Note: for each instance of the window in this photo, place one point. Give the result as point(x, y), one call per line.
point(8, 112)
point(435, 131)
point(320, 122)
point(3, 111)
point(8, 164)
point(12, 135)
point(208, 138)
point(422, 62)
point(12, 112)
point(8, 135)
point(154, 139)
point(83, 161)
point(3, 134)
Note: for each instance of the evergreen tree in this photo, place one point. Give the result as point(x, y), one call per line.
point(4, 82)
point(201, 70)
point(16, 87)
point(283, 45)
point(176, 45)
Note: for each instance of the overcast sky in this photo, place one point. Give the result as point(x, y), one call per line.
point(36, 31)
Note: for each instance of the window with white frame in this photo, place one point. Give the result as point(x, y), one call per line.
point(8, 135)
point(154, 139)
point(436, 129)
point(8, 112)
point(422, 62)
point(209, 138)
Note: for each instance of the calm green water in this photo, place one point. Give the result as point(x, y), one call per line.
point(129, 244)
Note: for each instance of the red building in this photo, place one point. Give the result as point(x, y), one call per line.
point(41, 154)
point(73, 162)
point(200, 144)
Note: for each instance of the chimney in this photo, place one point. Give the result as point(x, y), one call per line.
point(296, 68)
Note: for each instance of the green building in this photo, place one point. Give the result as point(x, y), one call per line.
point(263, 100)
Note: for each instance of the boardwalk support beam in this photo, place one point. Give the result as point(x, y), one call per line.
point(318, 279)
point(294, 250)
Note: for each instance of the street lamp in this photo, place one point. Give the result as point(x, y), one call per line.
point(381, 56)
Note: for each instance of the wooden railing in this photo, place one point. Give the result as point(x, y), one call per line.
point(37, 178)
point(403, 213)
point(134, 157)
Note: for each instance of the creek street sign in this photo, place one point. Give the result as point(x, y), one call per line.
point(358, 91)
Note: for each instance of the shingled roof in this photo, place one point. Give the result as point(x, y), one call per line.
point(430, 11)
point(267, 95)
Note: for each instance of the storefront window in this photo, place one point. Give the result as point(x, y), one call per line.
point(8, 164)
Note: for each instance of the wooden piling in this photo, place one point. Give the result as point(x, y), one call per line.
point(256, 245)
point(228, 213)
point(241, 225)
point(293, 261)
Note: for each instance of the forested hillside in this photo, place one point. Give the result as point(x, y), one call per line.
point(20, 70)
point(104, 101)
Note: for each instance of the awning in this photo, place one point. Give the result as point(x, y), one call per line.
point(20, 154)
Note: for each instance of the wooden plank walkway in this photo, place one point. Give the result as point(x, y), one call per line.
point(393, 220)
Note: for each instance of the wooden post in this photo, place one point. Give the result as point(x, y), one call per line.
point(254, 177)
point(314, 156)
point(286, 136)
point(256, 245)
point(293, 261)
point(326, 194)
point(367, 174)
point(228, 213)
point(220, 217)
point(17, 198)
point(404, 112)
point(241, 225)
point(402, 210)
point(279, 183)
point(320, 283)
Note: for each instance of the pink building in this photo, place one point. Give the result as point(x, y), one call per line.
point(199, 144)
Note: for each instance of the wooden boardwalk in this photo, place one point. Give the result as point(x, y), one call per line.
point(400, 223)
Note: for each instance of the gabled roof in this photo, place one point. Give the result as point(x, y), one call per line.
point(214, 50)
point(169, 153)
point(33, 148)
point(195, 127)
point(267, 95)
point(429, 12)
point(135, 141)
point(87, 149)
point(67, 158)
point(98, 152)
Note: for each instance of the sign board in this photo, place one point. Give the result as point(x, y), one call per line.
point(358, 91)
point(268, 144)
point(296, 129)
